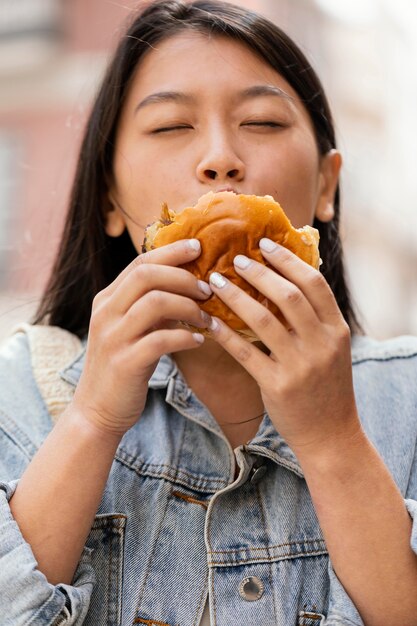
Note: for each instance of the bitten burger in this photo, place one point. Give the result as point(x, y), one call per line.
point(228, 224)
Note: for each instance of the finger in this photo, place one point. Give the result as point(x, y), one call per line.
point(150, 277)
point(156, 307)
point(255, 362)
point(151, 347)
point(257, 317)
point(290, 300)
point(309, 280)
point(174, 254)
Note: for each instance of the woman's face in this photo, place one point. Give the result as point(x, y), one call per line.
point(206, 114)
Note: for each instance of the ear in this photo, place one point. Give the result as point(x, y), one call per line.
point(330, 165)
point(114, 219)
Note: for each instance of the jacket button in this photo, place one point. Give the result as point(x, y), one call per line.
point(257, 474)
point(251, 588)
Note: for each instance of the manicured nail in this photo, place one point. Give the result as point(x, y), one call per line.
point(204, 287)
point(241, 261)
point(214, 325)
point(267, 245)
point(206, 318)
point(199, 338)
point(194, 244)
point(217, 280)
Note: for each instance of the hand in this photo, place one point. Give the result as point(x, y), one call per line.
point(134, 322)
point(306, 380)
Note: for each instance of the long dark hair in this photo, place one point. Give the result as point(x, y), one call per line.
point(88, 259)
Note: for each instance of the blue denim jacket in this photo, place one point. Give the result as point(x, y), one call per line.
point(174, 525)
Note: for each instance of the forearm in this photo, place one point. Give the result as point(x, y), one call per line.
point(59, 494)
point(367, 530)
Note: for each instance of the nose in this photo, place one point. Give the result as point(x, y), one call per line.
point(220, 161)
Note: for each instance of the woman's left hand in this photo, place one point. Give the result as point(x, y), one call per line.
point(306, 380)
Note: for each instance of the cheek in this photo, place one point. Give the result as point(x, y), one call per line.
point(294, 177)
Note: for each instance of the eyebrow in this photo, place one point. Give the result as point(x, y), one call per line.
point(180, 97)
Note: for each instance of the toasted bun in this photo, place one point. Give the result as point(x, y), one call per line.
point(228, 224)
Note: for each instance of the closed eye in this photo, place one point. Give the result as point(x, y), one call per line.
point(166, 129)
point(265, 123)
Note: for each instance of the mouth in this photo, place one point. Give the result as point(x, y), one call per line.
point(226, 189)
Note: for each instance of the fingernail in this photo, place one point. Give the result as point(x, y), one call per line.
point(194, 244)
point(241, 261)
point(267, 245)
point(199, 338)
point(214, 325)
point(206, 318)
point(204, 287)
point(217, 280)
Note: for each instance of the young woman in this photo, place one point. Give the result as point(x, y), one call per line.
point(191, 482)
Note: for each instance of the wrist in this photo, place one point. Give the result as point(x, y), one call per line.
point(88, 427)
point(340, 450)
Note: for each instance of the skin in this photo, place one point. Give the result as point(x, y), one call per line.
point(303, 378)
point(216, 139)
point(176, 149)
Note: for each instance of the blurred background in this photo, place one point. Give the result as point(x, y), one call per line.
point(52, 57)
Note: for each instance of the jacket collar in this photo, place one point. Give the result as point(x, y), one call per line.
point(267, 442)
point(165, 369)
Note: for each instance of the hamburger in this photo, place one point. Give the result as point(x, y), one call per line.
point(228, 224)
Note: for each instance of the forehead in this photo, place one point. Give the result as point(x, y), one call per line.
point(204, 62)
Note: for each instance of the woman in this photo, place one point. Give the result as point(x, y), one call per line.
point(190, 481)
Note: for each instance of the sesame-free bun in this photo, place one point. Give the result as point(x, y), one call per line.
point(228, 224)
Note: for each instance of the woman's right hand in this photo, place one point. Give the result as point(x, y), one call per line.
point(134, 321)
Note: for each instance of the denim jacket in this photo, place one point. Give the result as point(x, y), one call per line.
point(175, 526)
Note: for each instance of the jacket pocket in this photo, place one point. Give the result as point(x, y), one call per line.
point(106, 539)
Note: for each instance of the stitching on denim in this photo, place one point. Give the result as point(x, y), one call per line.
point(384, 359)
point(146, 464)
point(200, 604)
point(98, 520)
point(277, 459)
point(411, 469)
point(176, 471)
point(120, 545)
point(151, 556)
point(268, 533)
point(279, 545)
point(150, 622)
point(184, 496)
point(23, 447)
point(116, 532)
point(214, 600)
point(167, 500)
point(211, 577)
point(268, 559)
point(109, 572)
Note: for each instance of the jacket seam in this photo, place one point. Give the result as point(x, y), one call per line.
point(211, 484)
point(156, 541)
point(45, 605)
point(267, 530)
point(28, 448)
point(201, 603)
point(269, 559)
point(220, 481)
point(384, 359)
point(411, 468)
point(278, 545)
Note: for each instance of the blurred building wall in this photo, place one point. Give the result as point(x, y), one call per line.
point(52, 55)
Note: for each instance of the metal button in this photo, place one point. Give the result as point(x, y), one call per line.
point(251, 588)
point(257, 474)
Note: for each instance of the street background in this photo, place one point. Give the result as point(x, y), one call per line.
point(53, 54)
